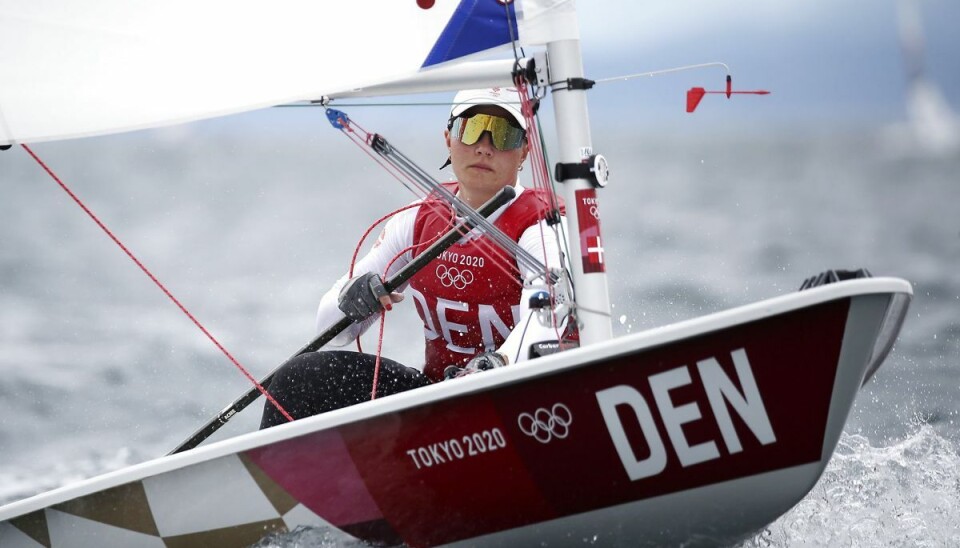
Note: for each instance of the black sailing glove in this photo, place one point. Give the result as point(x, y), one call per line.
point(360, 297)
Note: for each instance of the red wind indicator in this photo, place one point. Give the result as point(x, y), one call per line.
point(694, 95)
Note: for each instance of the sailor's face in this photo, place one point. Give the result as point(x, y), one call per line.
point(481, 166)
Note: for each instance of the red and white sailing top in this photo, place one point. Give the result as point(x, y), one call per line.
point(470, 298)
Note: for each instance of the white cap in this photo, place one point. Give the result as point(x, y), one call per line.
point(505, 98)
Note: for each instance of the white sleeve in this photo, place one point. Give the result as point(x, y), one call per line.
point(541, 241)
point(395, 237)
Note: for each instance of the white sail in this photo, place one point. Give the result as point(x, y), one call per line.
point(74, 69)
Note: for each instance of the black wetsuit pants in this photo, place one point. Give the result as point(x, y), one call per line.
point(318, 382)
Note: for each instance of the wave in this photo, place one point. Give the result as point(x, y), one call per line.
point(906, 494)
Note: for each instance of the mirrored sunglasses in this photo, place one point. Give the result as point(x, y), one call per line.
point(505, 136)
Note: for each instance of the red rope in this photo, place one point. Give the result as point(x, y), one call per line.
point(376, 363)
point(158, 284)
point(383, 313)
point(541, 179)
point(356, 250)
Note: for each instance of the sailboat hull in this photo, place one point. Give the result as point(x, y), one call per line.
point(700, 432)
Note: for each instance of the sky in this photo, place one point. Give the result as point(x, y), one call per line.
point(830, 64)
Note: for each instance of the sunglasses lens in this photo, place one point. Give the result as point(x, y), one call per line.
point(504, 135)
point(470, 130)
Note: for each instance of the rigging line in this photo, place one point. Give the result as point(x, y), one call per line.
point(596, 311)
point(532, 266)
point(499, 259)
point(363, 142)
point(377, 361)
point(356, 250)
point(513, 39)
point(653, 73)
point(542, 177)
point(560, 228)
point(383, 313)
point(523, 256)
point(550, 182)
point(364, 146)
point(497, 256)
point(539, 169)
point(542, 180)
point(549, 186)
point(434, 205)
point(383, 317)
point(428, 184)
point(490, 245)
point(535, 143)
point(423, 180)
point(333, 102)
point(437, 205)
point(523, 336)
point(158, 283)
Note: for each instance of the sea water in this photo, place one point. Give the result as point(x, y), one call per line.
point(98, 370)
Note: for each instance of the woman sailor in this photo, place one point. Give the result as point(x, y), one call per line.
point(471, 306)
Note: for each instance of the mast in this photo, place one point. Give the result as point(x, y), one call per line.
point(587, 258)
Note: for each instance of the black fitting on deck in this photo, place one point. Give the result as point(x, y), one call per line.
point(833, 276)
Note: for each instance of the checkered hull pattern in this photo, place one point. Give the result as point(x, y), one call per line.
point(224, 502)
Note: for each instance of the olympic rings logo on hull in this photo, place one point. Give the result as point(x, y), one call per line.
point(451, 276)
point(546, 424)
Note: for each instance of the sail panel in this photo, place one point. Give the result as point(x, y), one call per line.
point(74, 69)
point(543, 21)
point(476, 25)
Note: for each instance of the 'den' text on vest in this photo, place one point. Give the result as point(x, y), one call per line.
point(485, 315)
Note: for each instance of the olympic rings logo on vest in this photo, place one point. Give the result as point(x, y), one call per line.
point(545, 424)
point(451, 276)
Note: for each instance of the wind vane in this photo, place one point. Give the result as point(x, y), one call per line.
point(694, 95)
